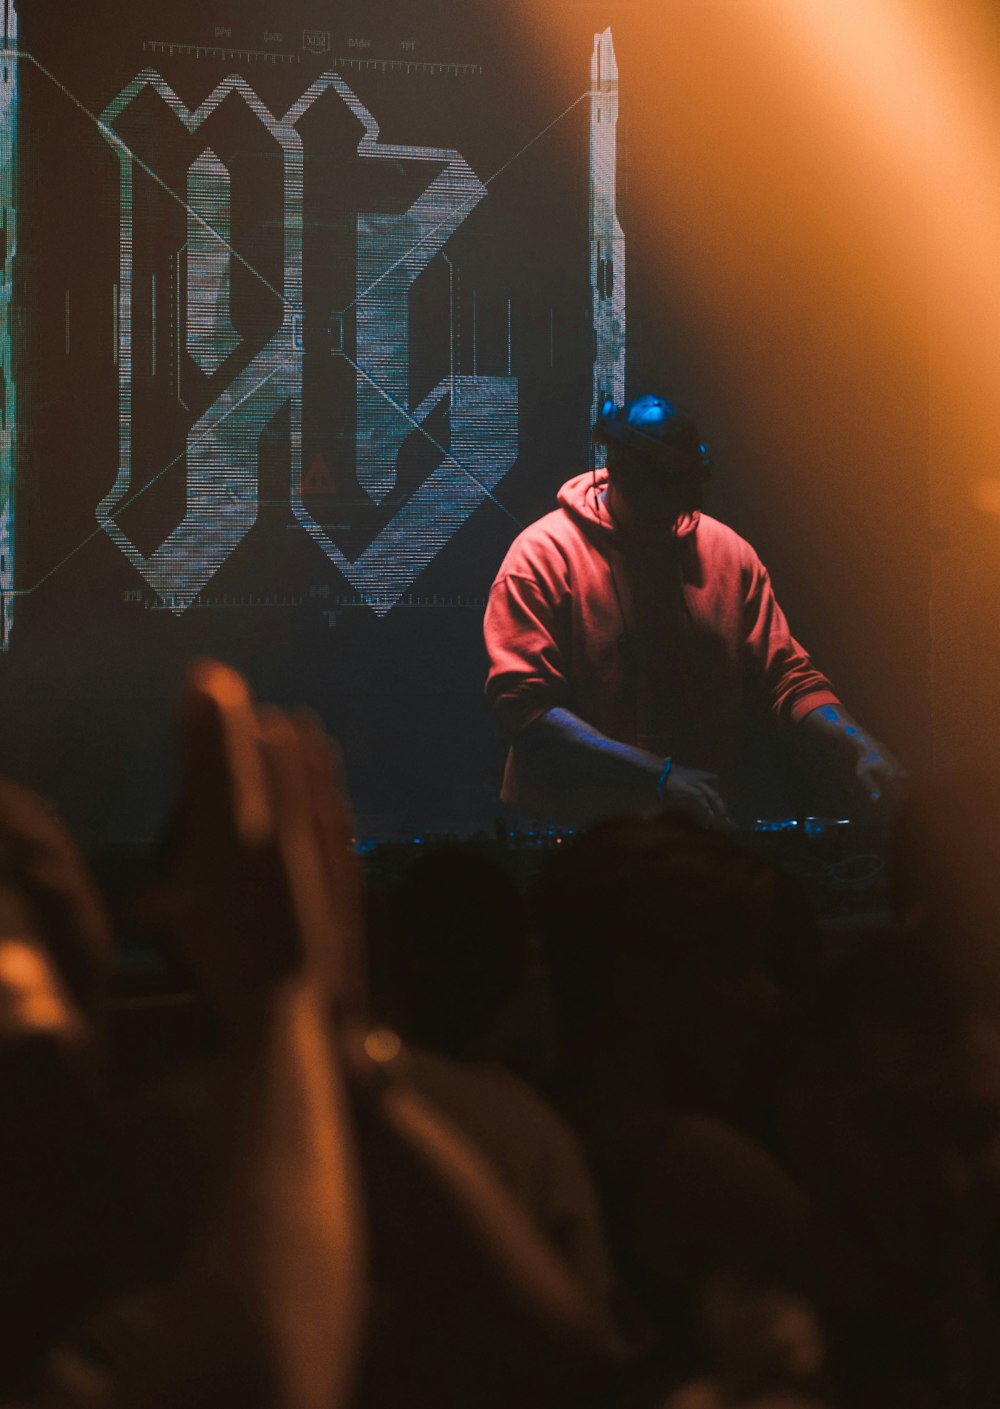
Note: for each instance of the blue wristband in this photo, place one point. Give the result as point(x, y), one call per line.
point(664, 777)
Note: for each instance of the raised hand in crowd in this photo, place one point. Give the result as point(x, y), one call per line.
point(347, 1237)
point(267, 1302)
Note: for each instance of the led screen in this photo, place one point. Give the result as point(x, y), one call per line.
point(302, 316)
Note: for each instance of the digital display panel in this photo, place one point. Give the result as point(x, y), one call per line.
point(300, 323)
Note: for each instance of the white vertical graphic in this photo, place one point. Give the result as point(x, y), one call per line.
point(8, 388)
point(211, 337)
point(607, 239)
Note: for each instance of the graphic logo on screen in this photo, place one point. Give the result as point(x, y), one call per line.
point(316, 41)
point(289, 327)
point(250, 384)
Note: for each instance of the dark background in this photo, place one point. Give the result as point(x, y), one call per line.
point(818, 413)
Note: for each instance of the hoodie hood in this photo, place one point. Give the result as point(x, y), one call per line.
point(581, 497)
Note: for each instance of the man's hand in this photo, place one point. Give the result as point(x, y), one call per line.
point(615, 777)
point(695, 793)
point(880, 775)
point(263, 887)
point(883, 778)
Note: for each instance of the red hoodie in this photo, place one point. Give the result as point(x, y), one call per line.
point(668, 644)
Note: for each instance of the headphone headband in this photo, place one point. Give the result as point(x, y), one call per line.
point(622, 425)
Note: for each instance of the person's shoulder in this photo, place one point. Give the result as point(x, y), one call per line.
point(718, 538)
point(551, 526)
point(544, 544)
point(717, 532)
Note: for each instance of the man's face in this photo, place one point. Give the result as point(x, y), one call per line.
point(647, 494)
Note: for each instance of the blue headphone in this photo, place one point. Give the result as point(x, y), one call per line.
point(656, 430)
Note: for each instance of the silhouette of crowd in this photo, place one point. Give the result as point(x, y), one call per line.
point(638, 1137)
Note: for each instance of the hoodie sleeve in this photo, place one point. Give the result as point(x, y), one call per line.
point(793, 686)
point(527, 674)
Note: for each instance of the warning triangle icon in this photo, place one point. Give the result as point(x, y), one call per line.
point(318, 479)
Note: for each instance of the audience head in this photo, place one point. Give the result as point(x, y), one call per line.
point(55, 938)
point(675, 944)
point(55, 945)
point(894, 1116)
point(457, 949)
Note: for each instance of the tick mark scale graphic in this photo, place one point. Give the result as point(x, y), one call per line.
point(357, 63)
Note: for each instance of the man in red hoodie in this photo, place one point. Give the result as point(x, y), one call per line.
point(630, 636)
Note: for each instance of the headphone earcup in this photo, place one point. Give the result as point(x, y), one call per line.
point(608, 426)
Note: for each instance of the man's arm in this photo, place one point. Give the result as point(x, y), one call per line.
point(572, 753)
point(881, 776)
point(803, 696)
point(523, 631)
